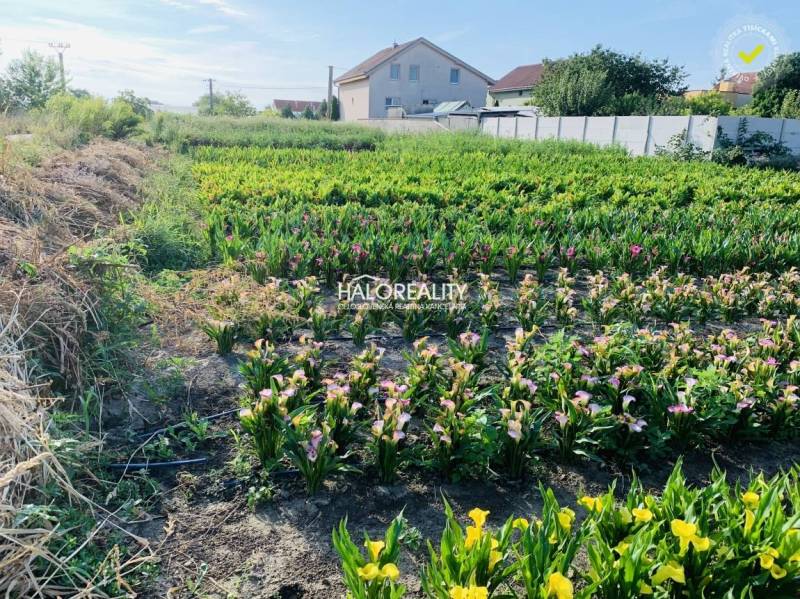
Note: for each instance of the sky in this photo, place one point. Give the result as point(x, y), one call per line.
point(164, 49)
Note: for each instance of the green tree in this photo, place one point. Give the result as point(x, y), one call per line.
point(139, 104)
point(790, 107)
point(569, 88)
point(322, 113)
point(775, 82)
point(31, 80)
point(308, 113)
point(227, 103)
point(710, 103)
point(603, 81)
point(286, 112)
point(334, 108)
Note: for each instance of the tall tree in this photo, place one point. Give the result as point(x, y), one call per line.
point(334, 108)
point(775, 82)
point(629, 82)
point(227, 103)
point(139, 104)
point(31, 80)
point(286, 112)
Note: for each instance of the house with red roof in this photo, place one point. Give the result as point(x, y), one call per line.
point(515, 87)
point(408, 78)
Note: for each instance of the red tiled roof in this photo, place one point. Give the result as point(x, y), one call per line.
point(743, 82)
point(522, 77)
point(296, 105)
point(362, 68)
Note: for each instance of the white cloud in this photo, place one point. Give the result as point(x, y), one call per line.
point(207, 29)
point(222, 6)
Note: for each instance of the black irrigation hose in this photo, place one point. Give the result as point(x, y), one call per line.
point(149, 465)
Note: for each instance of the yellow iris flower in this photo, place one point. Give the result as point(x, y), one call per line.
point(374, 549)
point(478, 516)
point(390, 571)
point(777, 572)
point(520, 523)
point(565, 518)
point(645, 589)
point(559, 586)
point(593, 504)
point(687, 533)
point(749, 519)
point(672, 570)
point(751, 499)
point(642, 514)
point(473, 536)
point(369, 572)
point(767, 558)
point(471, 592)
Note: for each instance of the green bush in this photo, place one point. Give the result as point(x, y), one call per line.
point(70, 120)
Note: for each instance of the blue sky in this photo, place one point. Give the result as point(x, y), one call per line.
point(268, 49)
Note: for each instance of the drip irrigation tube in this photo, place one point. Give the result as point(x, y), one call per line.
point(151, 465)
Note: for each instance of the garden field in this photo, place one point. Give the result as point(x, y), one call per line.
point(624, 327)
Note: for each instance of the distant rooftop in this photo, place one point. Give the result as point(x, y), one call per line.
point(522, 77)
point(296, 105)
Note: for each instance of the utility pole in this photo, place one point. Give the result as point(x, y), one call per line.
point(330, 91)
point(210, 95)
point(60, 47)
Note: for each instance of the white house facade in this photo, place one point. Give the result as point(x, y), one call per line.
point(416, 76)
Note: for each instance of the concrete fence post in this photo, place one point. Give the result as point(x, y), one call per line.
point(497, 127)
point(783, 126)
point(585, 122)
point(536, 128)
point(516, 126)
point(647, 136)
point(614, 131)
point(558, 131)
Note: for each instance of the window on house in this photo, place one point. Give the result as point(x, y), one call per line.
point(413, 72)
point(394, 72)
point(392, 101)
point(455, 76)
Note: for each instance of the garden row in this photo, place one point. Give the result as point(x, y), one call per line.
point(657, 299)
point(718, 541)
point(625, 395)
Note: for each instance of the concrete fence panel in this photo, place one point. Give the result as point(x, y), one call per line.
point(702, 132)
point(549, 127)
point(489, 125)
point(791, 135)
point(526, 127)
point(664, 129)
point(600, 130)
point(573, 127)
point(632, 133)
point(507, 128)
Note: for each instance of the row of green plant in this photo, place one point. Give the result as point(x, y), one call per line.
point(721, 540)
point(625, 395)
point(183, 133)
point(657, 298)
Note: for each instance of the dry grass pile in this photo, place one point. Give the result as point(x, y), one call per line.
point(44, 210)
point(44, 312)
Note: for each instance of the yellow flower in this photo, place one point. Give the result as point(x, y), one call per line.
point(751, 499)
point(374, 549)
point(671, 570)
point(645, 589)
point(625, 515)
point(471, 592)
point(642, 514)
point(686, 532)
point(593, 504)
point(749, 519)
point(390, 571)
point(559, 586)
point(473, 536)
point(494, 557)
point(520, 523)
point(767, 559)
point(777, 572)
point(369, 572)
point(565, 518)
point(478, 517)
point(622, 546)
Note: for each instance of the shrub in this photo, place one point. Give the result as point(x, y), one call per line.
point(87, 117)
